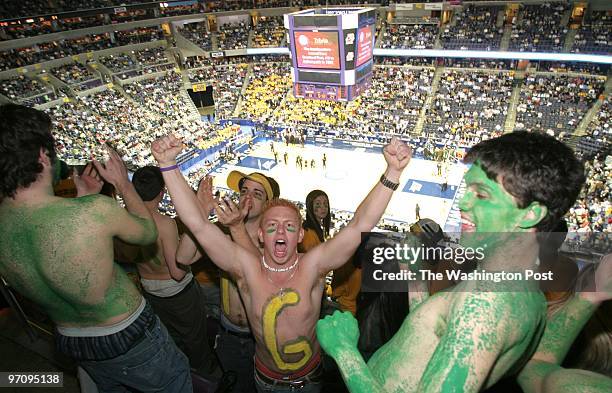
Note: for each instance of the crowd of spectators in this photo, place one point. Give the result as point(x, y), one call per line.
point(21, 87)
point(227, 86)
point(138, 35)
point(474, 27)
point(394, 101)
point(556, 104)
point(593, 209)
point(480, 63)
point(63, 48)
point(151, 56)
point(53, 50)
point(597, 137)
point(539, 28)
point(266, 89)
point(14, 9)
point(121, 62)
point(269, 32)
point(579, 67)
point(198, 34)
point(233, 36)
point(162, 95)
point(73, 73)
point(409, 36)
point(469, 106)
point(401, 61)
point(595, 34)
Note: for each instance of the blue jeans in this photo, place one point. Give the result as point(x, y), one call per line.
point(236, 354)
point(155, 364)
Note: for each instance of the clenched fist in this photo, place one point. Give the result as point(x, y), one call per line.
point(397, 154)
point(165, 149)
point(338, 332)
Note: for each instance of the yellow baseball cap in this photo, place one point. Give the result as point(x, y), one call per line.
point(235, 179)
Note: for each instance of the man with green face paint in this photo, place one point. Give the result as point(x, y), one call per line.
point(468, 338)
point(58, 252)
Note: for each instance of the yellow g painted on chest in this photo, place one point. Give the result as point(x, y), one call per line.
point(270, 314)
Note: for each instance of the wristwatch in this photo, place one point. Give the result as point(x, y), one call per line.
point(388, 183)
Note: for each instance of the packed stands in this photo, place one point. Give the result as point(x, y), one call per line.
point(269, 32)
point(267, 87)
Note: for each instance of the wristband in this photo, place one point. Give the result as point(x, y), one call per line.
point(168, 168)
point(388, 183)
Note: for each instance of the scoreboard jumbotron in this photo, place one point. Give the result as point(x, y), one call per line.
point(331, 52)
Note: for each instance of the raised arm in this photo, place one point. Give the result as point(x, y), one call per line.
point(336, 251)
point(221, 250)
point(137, 226)
point(229, 214)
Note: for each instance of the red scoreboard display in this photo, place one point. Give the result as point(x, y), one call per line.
point(331, 52)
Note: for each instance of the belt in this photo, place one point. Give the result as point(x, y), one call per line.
point(314, 376)
point(311, 372)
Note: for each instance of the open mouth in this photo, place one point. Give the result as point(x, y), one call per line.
point(467, 225)
point(280, 248)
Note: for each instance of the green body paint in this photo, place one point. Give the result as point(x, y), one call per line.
point(56, 256)
point(543, 374)
point(457, 341)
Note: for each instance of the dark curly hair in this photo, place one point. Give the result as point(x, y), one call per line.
point(533, 167)
point(23, 132)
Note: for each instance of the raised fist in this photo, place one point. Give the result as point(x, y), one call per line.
point(338, 332)
point(397, 154)
point(165, 149)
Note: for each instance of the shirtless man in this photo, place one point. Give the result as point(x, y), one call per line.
point(282, 290)
point(58, 252)
point(468, 338)
point(235, 343)
point(173, 292)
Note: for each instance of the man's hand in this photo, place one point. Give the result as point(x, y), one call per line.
point(338, 332)
point(165, 149)
point(205, 195)
point(89, 182)
point(231, 214)
point(113, 170)
point(397, 154)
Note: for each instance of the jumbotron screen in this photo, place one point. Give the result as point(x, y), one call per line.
point(365, 45)
point(317, 49)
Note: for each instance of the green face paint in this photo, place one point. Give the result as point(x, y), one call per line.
point(271, 230)
point(291, 228)
point(487, 205)
point(489, 210)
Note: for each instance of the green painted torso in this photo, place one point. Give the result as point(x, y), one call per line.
point(59, 254)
